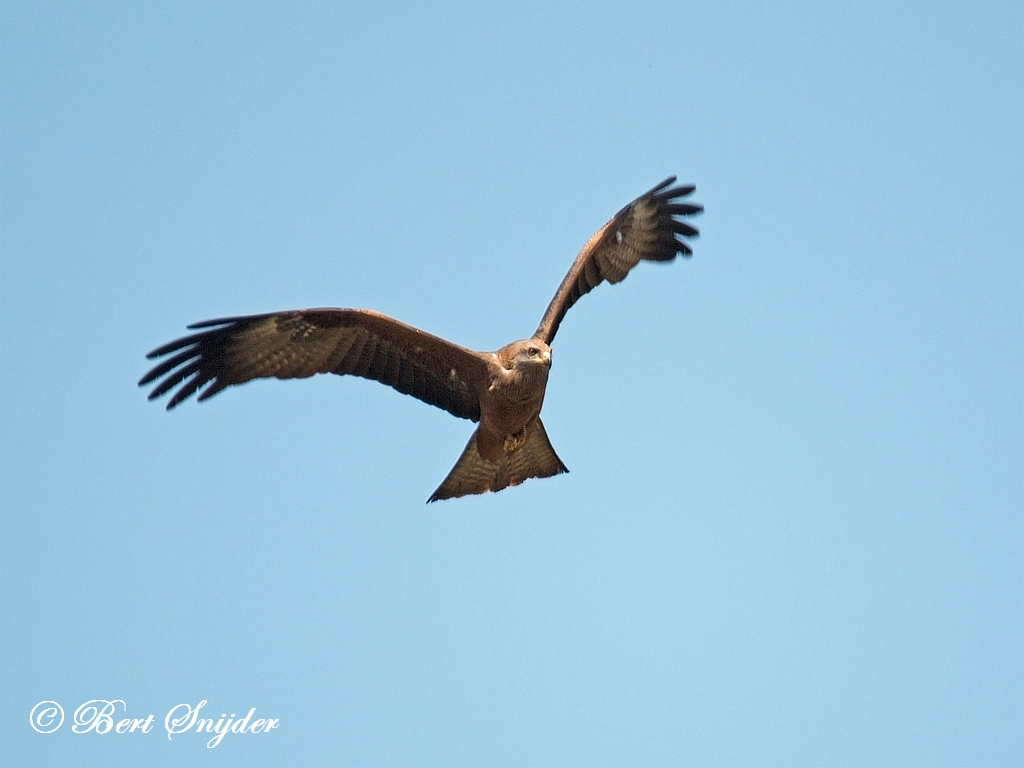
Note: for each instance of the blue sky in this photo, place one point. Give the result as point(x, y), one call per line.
point(793, 531)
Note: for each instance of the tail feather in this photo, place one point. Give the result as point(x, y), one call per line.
point(474, 474)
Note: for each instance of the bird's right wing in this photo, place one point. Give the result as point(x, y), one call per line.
point(297, 344)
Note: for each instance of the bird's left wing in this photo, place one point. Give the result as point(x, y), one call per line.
point(649, 228)
point(297, 344)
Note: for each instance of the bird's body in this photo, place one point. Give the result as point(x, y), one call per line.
point(502, 390)
point(513, 397)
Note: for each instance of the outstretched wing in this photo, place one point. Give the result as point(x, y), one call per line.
point(294, 345)
point(649, 229)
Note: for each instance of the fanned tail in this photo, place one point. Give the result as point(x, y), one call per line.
point(473, 474)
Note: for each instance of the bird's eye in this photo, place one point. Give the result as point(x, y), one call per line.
point(533, 351)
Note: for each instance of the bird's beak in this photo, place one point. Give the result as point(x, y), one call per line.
point(546, 359)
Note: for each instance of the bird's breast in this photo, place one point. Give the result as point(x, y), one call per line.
point(511, 404)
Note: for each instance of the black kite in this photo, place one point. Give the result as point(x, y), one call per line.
point(502, 390)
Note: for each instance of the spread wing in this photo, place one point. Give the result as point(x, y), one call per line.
point(294, 345)
point(649, 229)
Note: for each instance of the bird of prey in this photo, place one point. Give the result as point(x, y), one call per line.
point(502, 390)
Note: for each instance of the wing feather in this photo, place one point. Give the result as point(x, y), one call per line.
point(298, 344)
point(645, 230)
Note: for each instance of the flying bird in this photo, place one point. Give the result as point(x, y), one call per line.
point(502, 390)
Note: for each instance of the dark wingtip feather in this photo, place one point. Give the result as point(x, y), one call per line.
point(656, 191)
point(213, 389)
point(174, 346)
point(218, 321)
point(175, 378)
point(189, 356)
point(167, 365)
point(671, 194)
point(684, 209)
point(682, 228)
point(186, 391)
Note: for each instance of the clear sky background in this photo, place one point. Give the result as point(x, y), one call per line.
point(793, 529)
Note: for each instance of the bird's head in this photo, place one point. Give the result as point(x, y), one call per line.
point(527, 355)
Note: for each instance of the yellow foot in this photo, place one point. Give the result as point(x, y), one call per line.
point(512, 442)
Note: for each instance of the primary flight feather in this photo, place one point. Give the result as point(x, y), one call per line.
point(502, 390)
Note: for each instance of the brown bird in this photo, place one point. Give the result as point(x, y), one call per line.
point(502, 390)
